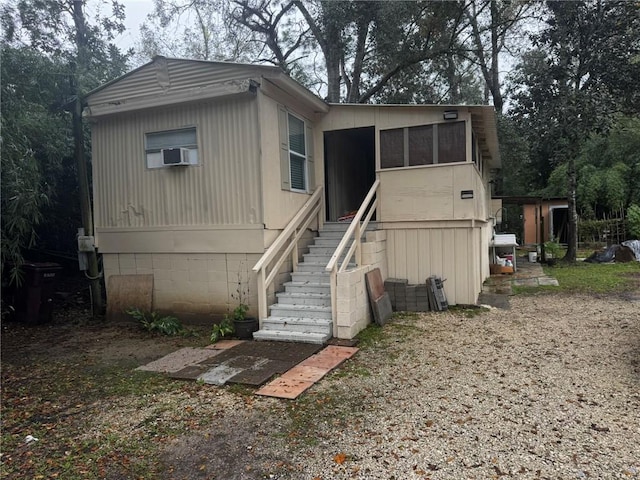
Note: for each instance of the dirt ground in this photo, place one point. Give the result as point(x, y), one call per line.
point(548, 389)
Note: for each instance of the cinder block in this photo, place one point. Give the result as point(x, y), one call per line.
point(422, 306)
point(219, 288)
point(376, 235)
point(197, 265)
point(198, 276)
point(179, 262)
point(127, 261)
point(396, 281)
point(368, 248)
point(144, 260)
point(180, 275)
point(161, 261)
point(410, 292)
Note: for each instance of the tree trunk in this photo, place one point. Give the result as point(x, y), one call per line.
point(572, 232)
point(494, 84)
point(79, 153)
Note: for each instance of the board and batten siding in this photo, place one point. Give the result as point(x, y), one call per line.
point(432, 192)
point(224, 189)
point(451, 253)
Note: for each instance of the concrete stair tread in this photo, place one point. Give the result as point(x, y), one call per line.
point(303, 283)
point(299, 320)
point(311, 308)
point(304, 295)
point(287, 336)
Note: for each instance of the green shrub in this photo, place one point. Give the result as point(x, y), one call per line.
point(222, 329)
point(154, 322)
point(633, 220)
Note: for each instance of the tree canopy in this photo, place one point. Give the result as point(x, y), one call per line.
point(50, 60)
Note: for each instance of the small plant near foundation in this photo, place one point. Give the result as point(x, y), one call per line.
point(553, 248)
point(154, 322)
point(222, 329)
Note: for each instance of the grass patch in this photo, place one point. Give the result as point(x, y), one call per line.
point(467, 311)
point(372, 336)
point(594, 277)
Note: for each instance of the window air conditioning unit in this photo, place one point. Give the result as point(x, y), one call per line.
point(175, 156)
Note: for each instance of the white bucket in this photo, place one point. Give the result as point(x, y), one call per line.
point(533, 257)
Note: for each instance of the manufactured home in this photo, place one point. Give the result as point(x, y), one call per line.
point(230, 182)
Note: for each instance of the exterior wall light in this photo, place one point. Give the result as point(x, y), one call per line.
point(466, 194)
point(450, 115)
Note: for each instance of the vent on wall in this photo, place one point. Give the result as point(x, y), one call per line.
point(175, 156)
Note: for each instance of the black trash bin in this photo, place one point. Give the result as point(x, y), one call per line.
point(34, 298)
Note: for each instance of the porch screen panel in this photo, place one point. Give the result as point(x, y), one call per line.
point(421, 145)
point(392, 148)
point(451, 142)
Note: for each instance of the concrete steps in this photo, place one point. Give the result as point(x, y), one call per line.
point(302, 312)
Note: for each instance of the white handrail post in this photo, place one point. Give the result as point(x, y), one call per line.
point(333, 282)
point(321, 213)
point(358, 245)
point(262, 296)
point(294, 254)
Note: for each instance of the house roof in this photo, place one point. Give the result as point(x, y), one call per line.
point(165, 81)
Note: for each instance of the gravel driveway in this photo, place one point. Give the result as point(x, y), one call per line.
point(549, 389)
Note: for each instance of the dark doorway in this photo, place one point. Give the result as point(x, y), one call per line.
point(560, 222)
point(349, 169)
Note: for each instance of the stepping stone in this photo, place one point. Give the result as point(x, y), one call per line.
point(289, 388)
point(178, 360)
point(305, 373)
point(548, 281)
point(191, 372)
point(297, 380)
point(224, 344)
point(218, 375)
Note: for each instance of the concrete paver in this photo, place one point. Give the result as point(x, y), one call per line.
point(254, 363)
point(178, 360)
point(282, 387)
point(306, 373)
point(297, 380)
point(219, 375)
point(225, 344)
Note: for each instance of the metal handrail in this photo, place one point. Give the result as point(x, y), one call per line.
point(289, 237)
point(355, 230)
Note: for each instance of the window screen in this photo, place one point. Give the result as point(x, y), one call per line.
point(451, 142)
point(392, 148)
point(421, 145)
